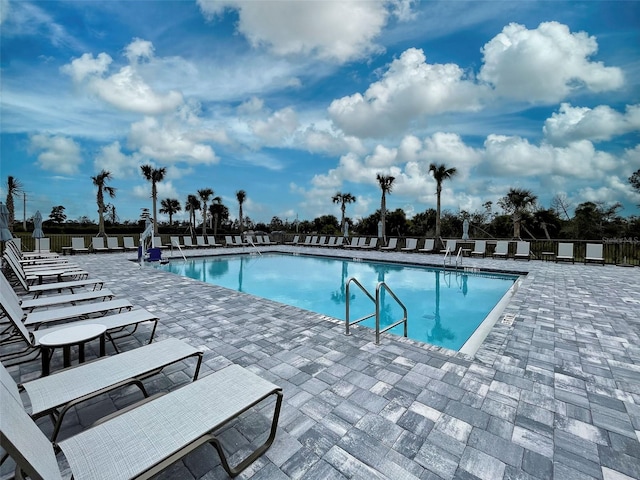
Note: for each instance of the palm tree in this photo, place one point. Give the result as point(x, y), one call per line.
point(216, 210)
point(154, 175)
point(440, 174)
point(170, 206)
point(386, 185)
point(100, 181)
point(343, 199)
point(191, 206)
point(14, 187)
point(204, 194)
point(517, 202)
point(241, 195)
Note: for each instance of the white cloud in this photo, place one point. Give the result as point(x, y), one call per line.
point(337, 31)
point(165, 189)
point(169, 142)
point(4, 10)
point(126, 90)
point(545, 64)
point(515, 156)
point(57, 153)
point(409, 89)
point(277, 128)
point(111, 158)
point(597, 124)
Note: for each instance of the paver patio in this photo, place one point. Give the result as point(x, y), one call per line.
point(556, 394)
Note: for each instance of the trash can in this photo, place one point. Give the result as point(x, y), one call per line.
point(154, 255)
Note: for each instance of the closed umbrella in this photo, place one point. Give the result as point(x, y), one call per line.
point(37, 230)
point(5, 233)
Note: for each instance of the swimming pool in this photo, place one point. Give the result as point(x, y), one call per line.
point(444, 307)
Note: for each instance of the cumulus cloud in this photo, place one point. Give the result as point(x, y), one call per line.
point(597, 124)
point(111, 158)
point(408, 90)
point(169, 142)
point(126, 90)
point(515, 156)
point(545, 64)
point(165, 189)
point(336, 31)
point(278, 127)
point(57, 153)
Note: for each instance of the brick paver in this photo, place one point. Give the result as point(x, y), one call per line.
point(556, 394)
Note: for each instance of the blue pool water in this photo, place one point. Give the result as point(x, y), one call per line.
point(444, 307)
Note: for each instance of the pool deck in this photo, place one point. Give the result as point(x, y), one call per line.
point(554, 394)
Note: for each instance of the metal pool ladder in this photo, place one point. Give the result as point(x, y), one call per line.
point(376, 301)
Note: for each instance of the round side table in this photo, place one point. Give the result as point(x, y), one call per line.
point(68, 336)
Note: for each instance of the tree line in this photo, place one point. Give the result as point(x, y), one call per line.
point(520, 215)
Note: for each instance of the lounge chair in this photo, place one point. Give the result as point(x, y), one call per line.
point(331, 242)
point(78, 245)
point(392, 244)
point(594, 253)
point(523, 251)
point(97, 245)
point(200, 242)
point(43, 254)
point(55, 394)
point(128, 243)
point(115, 324)
point(175, 242)
point(238, 242)
point(450, 246)
point(322, 241)
point(307, 240)
point(42, 245)
point(429, 246)
point(24, 259)
point(295, 241)
point(211, 240)
point(112, 245)
point(411, 244)
point(55, 300)
point(338, 243)
point(188, 242)
point(479, 248)
point(145, 440)
point(502, 249)
point(372, 245)
point(565, 252)
point(32, 273)
point(355, 242)
point(37, 290)
point(157, 242)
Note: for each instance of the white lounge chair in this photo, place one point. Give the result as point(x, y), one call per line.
point(78, 245)
point(128, 243)
point(175, 242)
point(372, 245)
point(594, 253)
point(411, 244)
point(523, 251)
point(157, 242)
point(188, 242)
point(55, 394)
point(42, 245)
point(200, 241)
point(294, 241)
point(429, 246)
point(55, 300)
point(391, 245)
point(211, 240)
point(112, 245)
point(502, 249)
point(479, 248)
point(450, 246)
point(565, 252)
point(97, 245)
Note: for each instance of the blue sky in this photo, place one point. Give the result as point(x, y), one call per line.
point(295, 101)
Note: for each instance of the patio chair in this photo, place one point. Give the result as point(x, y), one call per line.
point(392, 244)
point(228, 241)
point(372, 245)
point(188, 242)
point(339, 242)
point(355, 242)
point(115, 324)
point(523, 251)
point(565, 252)
point(128, 243)
point(112, 245)
point(429, 246)
point(97, 245)
point(56, 394)
point(295, 241)
point(42, 245)
point(502, 249)
point(33, 273)
point(147, 439)
point(307, 240)
point(211, 240)
point(25, 259)
point(594, 253)
point(78, 245)
point(70, 285)
point(175, 242)
point(55, 300)
point(450, 246)
point(200, 242)
point(238, 242)
point(43, 254)
point(157, 242)
point(479, 248)
point(411, 244)
point(322, 241)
